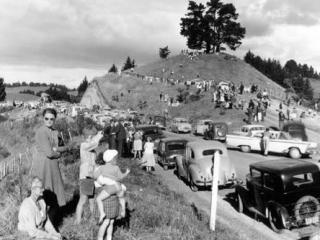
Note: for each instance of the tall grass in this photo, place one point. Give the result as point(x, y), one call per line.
point(155, 211)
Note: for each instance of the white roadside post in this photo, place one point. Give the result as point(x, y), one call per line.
point(214, 190)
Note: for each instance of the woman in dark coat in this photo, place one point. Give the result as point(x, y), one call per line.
point(46, 157)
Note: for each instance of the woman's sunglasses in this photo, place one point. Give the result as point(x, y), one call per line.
point(47, 119)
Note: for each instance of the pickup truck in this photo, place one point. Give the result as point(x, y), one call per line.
point(280, 142)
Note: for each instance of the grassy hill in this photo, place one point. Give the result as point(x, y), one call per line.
point(134, 92)
point(222, 67)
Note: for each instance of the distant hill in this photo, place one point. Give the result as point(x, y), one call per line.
point(315, 83)
point(13, 93)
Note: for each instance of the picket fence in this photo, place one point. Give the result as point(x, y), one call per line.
point(17, 161)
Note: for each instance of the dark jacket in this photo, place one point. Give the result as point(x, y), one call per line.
point(121, 132)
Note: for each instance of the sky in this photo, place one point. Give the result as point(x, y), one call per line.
point(61, 41)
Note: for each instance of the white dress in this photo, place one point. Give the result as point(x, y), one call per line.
point(148, 156)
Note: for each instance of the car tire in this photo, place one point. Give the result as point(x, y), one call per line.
point(239, 203)
point(306, 207)
point(245, 148)
point(193, 186)
point(275, 220)
point(294, 153)
point(165, 167)
point(177, 171)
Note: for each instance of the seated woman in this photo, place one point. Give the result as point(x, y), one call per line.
point(32, 217)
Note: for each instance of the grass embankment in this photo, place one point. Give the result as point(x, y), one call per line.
point(157, 212)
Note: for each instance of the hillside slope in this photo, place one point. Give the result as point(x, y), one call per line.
point(134, 91)
point(220, 67)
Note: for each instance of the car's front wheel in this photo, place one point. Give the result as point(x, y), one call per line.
point(193, 186)
point(245, 148)
point(294, 153)
point(275, 221)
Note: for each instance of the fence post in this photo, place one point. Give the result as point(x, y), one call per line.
point(214, 190)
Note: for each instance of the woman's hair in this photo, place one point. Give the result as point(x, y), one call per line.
point(99, 159)
point(49, 110)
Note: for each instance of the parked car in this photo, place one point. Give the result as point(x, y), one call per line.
point(168, 149)
point(286, 192)
point(297, 130)
point(152, 131)
point(216, 131)
point(195, 166)
point(160, 121)
point(280, 142)
point(181, 125)
point(250, 130)
point(201, 126)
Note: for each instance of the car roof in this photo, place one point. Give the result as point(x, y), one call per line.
point(286, 166)
point(173, 139)
point(205, 120)
point(205, 144)
point(252, 125)
point(180, 118)
point(145, 126)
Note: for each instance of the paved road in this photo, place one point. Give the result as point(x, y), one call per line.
point(241, 162)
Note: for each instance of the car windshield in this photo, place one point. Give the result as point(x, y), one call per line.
point(209, 152)
point(298, 180)
point(176, 146)
point(182, 121)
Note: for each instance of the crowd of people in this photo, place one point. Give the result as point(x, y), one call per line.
point(100, 178)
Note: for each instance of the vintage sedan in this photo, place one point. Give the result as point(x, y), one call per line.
point(181, 125)
point(216, 131)
point(168, 149)
point(196, 166)
point(280, 142)
point(201, 126)
point(284, 191)
point(250, 130)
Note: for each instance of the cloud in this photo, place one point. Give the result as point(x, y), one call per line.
point(292, 12)
point(78, 33)
point(294, 18)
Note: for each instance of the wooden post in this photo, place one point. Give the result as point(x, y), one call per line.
point(214, 190)
point(61, 133)
point(70, 134)
point(20, 178)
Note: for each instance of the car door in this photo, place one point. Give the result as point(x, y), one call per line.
point(257, 189)
point(160, 151)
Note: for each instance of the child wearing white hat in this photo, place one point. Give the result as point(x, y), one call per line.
point(107, 176)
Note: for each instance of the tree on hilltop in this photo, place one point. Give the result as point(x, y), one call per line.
point(164, 52)
point(113, 69)
point(212, 27)
point(128, 64)
point(3, 93)
point(83, 86)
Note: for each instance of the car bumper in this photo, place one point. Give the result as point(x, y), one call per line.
point(184, 130)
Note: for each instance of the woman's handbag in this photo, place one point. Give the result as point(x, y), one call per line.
point(87, 186)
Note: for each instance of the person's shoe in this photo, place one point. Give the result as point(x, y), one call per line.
point(101, 220)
